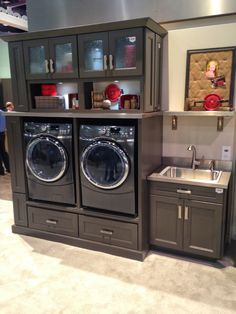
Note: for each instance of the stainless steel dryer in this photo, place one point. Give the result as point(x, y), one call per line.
point(107, 167)
point(49, 161)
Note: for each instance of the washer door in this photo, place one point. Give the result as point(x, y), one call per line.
point(105, 164)
point(46, 158)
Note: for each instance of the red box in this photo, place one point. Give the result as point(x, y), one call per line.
point(48, 90)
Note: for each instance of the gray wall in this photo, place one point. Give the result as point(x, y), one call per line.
point(51, 14)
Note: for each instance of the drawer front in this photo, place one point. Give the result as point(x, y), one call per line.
point(186, 191)
point(53, 221)
point(108, 231)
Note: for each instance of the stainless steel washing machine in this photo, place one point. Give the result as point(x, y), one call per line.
point(49, 161)
point(107, 167)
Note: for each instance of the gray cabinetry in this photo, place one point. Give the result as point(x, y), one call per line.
point(20, 209)
point(115, 53)
point(16, 146)
point(18, 76)
point(180, 220)
point(53, 221)
point(51, 58)
point(108, 231)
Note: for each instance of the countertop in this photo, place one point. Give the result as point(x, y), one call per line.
point(86, 114)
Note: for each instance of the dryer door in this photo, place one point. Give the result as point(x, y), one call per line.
point(46, 158)
point(105, 164)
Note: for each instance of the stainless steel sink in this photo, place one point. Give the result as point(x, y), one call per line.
point(188, 174)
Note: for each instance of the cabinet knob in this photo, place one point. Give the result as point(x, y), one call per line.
point(111, 62)
point(179, 212)
point(105, 62)
point(106, 231)
point(46, 66)
point(186, 213)
point(51, 221)
point(51, 66)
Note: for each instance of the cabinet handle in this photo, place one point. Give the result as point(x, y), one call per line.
point(111, 62)
point(51, 65)
point(184, 191)
point(186, 213)
point(105, 62)
point(51, 221)
point(107, 232)
point(179, 212)
point(46, 66)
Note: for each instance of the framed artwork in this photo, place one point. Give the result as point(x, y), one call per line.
point(210, 79)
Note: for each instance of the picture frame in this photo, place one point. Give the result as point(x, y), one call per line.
point(210, 75)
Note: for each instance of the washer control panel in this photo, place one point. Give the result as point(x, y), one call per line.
point(55, 129)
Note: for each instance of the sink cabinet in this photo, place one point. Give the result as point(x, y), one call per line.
point(190, 220)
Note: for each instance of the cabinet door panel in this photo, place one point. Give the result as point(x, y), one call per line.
point(126, 49)
point(18, 76)
point(93, 54)
point(203, 228)
point(166, 222)
point(36, 55)
point(63, 57)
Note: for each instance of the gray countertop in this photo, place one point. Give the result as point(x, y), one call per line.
point(222, 183)
point(83, 114)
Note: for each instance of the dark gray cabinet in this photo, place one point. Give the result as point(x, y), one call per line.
point(180, 220)
point(19, 89)
point(115, 53)
point(51, 58)
point(16, 154)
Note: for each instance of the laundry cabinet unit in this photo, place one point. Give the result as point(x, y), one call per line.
point(188, 218)
point(79, 174)
point(79, 63)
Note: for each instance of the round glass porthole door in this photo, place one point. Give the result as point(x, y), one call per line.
point(105, 165)
point(46, 159)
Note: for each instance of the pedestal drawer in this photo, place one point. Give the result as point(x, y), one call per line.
point(53, 221)
point(108, 231)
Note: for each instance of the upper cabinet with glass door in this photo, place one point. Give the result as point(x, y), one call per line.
point(51, 58)
point(114, 53)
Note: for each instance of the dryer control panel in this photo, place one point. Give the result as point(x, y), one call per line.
point(109, 131)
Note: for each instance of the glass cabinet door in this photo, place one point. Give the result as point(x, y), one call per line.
point(125, 57)
point(51, 58)
point(36, 59)
point(63, 57)
point(93, 54)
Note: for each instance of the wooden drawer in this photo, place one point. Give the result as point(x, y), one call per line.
point(53, 221)
point(108, 231)
point(201, 193)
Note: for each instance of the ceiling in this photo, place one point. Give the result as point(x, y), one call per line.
point(15, 11)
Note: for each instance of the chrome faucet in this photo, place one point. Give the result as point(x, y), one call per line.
point(212, 168)
point(194, 162)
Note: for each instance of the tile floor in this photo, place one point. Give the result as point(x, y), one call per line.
point(43, 277)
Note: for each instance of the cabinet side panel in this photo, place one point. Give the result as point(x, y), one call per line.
point(15, 146)
point(149, 71)
point(18, 76)
point(149, 158)
point(20, 210)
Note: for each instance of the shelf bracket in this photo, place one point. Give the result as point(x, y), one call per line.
point(220, 124)
point(174, 122)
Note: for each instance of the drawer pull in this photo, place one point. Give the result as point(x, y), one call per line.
point(107, 232)
point(186, 213)
point(51, 221)
point(179, 212)
point(184, 191)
